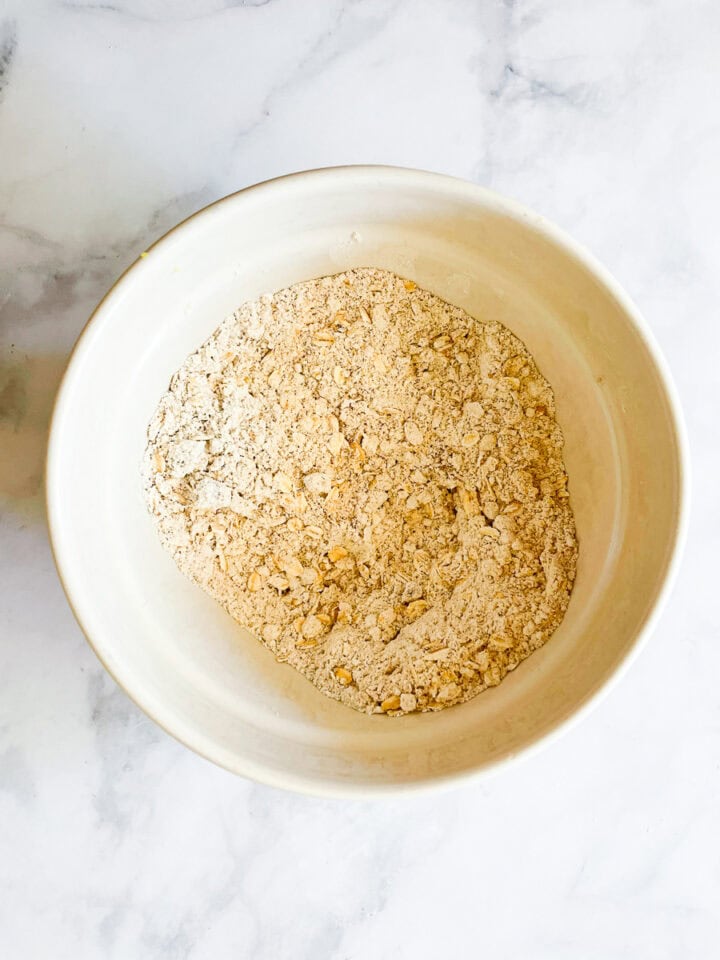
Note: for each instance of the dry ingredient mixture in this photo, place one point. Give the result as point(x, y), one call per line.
point(372, 481)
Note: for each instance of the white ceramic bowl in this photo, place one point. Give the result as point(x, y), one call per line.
point(179, 656)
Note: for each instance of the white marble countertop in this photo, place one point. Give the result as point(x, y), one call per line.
point(120, 117)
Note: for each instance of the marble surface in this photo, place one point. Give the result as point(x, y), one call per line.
point(120, 117)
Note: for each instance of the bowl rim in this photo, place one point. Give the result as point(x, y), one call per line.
point(430, 181)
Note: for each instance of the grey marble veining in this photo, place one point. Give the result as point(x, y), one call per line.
point(119, 118)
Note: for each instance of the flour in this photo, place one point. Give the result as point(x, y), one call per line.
point(372, 482)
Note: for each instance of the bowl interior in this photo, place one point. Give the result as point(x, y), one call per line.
point(177, 653)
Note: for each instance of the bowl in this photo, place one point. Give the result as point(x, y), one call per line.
point(180, 657)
